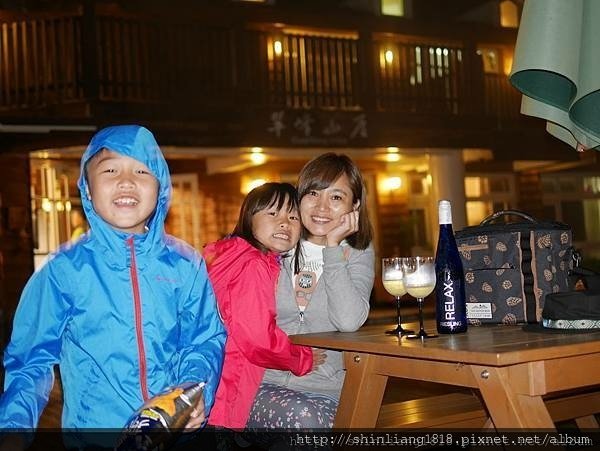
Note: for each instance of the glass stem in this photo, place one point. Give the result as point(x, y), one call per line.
point(398, 311)
point(420, 302)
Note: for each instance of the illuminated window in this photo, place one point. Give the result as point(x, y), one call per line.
point(491, 60)
point(476, 211)
point(473, 186)
point(488, 194)
point(575, 200)
point(509, 14)
point(183, 220)
point(417, 78)
point(591, 185)
point(392, 8)
point(54, 195)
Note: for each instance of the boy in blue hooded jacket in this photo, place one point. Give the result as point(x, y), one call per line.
point(125, 312)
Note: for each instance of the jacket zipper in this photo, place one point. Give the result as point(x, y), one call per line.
point(137, 308)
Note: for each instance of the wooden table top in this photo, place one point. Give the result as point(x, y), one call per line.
point(484, 345)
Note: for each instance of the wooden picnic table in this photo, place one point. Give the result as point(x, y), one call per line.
point(512, 369)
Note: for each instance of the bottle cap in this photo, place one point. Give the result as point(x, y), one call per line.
point(445, 212)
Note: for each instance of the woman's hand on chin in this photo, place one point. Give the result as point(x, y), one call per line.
point(347, 226)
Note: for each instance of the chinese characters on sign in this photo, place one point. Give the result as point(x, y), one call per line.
point(318, 128)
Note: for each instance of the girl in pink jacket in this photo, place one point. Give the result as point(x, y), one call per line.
point(243, 269)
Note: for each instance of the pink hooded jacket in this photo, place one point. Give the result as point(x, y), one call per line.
point(244, 280)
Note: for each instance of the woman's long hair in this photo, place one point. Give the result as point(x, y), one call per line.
point(320, 172)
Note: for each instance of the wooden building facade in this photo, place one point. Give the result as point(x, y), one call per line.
point(219, 81)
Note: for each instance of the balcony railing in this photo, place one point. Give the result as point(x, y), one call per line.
point(40, 62)
point(50, 61)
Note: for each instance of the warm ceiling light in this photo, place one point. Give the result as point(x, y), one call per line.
point(389, 56)
point(392, 183)
point(46, 205)
point(277, 48)
point(392, 149)
point(256, 150)
point(392, 157)
point(249, 185)
point(258, 158)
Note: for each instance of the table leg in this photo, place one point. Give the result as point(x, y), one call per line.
point(508, 409)
point(587, 422)
point(362, 392)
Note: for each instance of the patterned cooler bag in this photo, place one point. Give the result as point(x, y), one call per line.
point(510, 267)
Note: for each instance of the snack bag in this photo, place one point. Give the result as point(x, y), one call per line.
point(155, 425)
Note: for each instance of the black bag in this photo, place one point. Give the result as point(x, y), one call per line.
point(581, 279)
point(510, 267)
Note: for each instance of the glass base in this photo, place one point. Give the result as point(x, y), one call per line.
point(421, 334)
point(399, 330)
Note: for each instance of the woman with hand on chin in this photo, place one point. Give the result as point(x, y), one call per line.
point(326, 287)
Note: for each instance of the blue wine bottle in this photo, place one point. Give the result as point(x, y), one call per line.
point(451, 309)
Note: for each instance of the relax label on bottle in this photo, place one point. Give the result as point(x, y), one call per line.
point(450, 287)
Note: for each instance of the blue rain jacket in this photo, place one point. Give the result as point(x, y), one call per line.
point(124, 315)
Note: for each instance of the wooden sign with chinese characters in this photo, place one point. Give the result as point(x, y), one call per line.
point(317, 128)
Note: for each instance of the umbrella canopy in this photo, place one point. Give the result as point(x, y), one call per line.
point(557, 68)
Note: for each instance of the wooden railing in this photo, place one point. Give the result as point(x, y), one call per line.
point(424, 78)
point(56, 60)
point(40, 62)
point(143, 61)
point(312, 72)
point(501, 99)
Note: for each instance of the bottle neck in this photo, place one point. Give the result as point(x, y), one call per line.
point(446, 227)
point(446, 241)
point(445, 212)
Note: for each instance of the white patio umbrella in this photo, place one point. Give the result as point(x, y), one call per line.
point(557, 68)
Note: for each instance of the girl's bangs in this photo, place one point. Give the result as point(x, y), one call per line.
point(279, 197)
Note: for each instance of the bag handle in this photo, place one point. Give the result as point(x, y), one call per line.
point(494, 216)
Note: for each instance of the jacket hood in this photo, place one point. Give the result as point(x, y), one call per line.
point(232, 255)
point(136, 142)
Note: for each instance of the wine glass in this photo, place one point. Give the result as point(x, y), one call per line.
point(419, 281)
point(392, 276)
